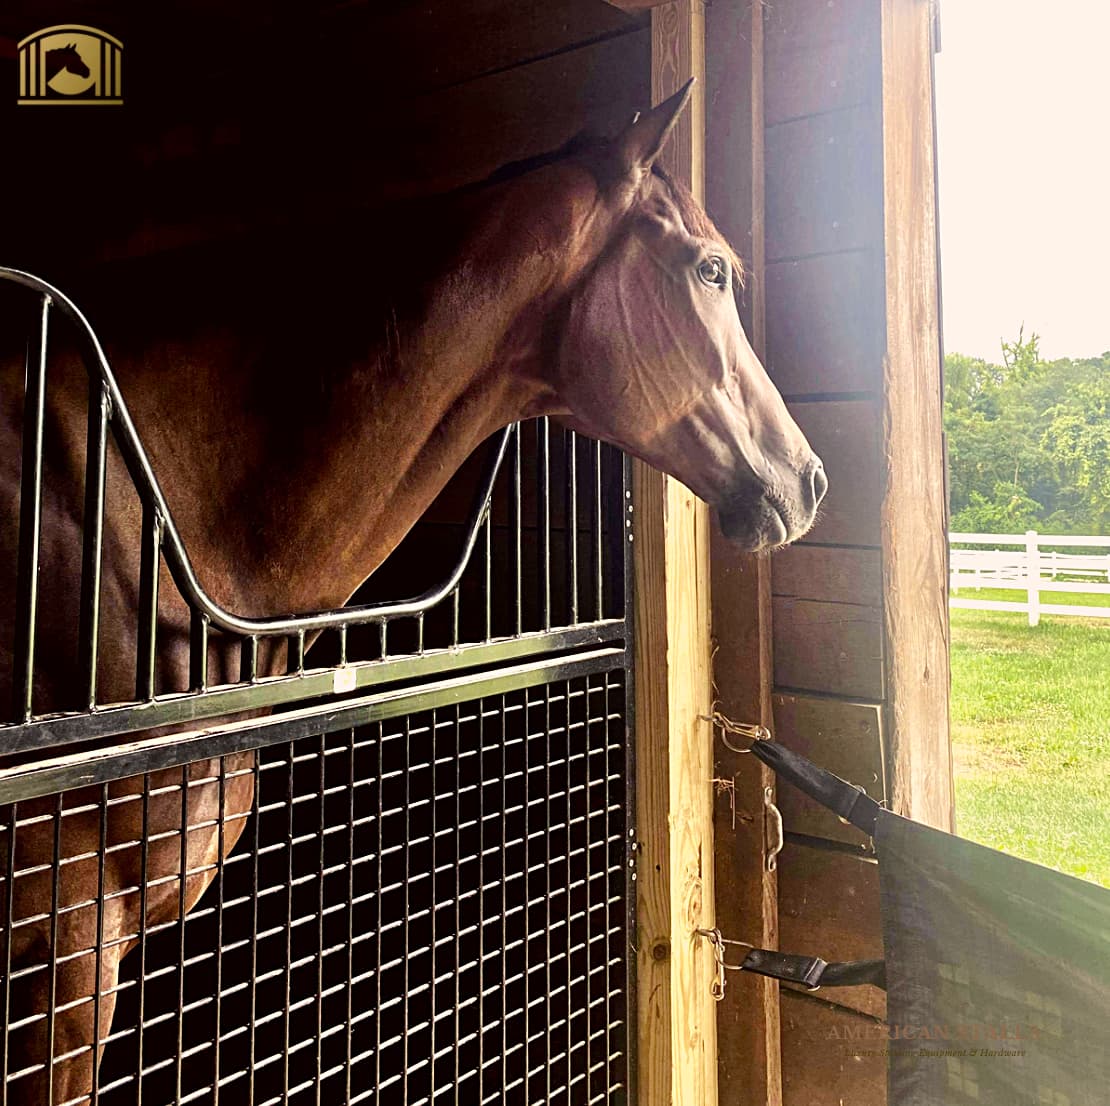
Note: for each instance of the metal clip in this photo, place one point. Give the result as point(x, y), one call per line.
point(775, 838)
point(740, 729)
point(713, 936)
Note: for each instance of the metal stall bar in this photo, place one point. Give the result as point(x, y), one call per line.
point(30, 515)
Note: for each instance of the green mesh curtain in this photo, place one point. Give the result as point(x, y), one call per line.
point(998, 975)
point(997, 969)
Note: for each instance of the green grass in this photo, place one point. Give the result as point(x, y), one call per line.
point(1060, 598)
point(1031, 737)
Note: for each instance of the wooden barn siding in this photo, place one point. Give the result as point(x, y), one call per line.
point(847, 329)
point(825, 344)
point(830, 1054)
point(244, 119)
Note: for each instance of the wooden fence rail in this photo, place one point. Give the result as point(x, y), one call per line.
point(1020, 562)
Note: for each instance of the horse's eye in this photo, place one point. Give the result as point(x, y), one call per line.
point(714, 272)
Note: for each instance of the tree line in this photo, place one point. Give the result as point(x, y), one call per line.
point(1028, 442)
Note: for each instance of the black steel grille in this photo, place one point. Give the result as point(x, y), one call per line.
point(431, 897)
point(426, 909)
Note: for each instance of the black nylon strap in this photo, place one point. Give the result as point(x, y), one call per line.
point(812, 971)
point(841, 797)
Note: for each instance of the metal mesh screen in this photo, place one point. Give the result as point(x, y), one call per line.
point(431, 908)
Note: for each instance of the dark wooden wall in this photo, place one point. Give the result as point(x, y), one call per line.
point(240, 116)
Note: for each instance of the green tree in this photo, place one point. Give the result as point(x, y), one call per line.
point(1028, 441)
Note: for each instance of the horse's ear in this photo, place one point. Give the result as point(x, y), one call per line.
point(643, 139)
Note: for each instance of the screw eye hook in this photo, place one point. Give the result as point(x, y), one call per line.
point(726, 726)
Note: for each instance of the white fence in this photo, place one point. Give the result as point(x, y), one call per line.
point(1032, 568)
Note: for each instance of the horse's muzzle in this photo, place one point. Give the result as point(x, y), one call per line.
point(766, 518)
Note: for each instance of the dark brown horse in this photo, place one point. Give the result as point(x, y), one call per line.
point(296, 452)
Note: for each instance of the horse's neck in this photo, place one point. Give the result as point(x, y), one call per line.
point(326, 498)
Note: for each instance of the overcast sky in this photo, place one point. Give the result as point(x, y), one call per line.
point(1023, 126)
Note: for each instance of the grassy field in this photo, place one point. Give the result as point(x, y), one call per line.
point(1031, 736)
point(1065, 598)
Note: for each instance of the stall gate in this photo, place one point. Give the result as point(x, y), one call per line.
point(432, 899)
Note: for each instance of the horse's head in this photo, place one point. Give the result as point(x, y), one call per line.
point(653, 356)
point(67, 58)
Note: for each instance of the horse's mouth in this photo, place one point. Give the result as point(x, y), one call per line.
point(756, 527)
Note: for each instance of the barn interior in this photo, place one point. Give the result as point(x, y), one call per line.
point(306, 136)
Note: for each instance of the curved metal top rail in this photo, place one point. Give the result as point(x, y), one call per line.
point(177, 557)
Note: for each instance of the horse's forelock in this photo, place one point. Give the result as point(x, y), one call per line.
point(697, 222)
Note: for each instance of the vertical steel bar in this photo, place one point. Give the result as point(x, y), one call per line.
point(102, 850)
point(458, 887)
point(198, 651)
point(488, 582)
point(248, 660)
point(433, 897)
point(548, 812)
point(378, 934)
point(608, 831)
point(144, 876)
point(92, 541)
point(221, 825)
point(150, 563)
point(504, 839)
point(481, 1014)
point(383, 638)
point(526, 798)
point(52, 997)
point(515, 527)
point(321, 825)
point(455, 617)
point(586, 886)
point(343, 644)
point(543, 520)
point(595, 479)
point(179, 1066)
point(252, 1017)
point(420, 632)
point(587, 972)
point(351, 780)
point(572, 523)
point(30, 519)
point(406, 934)
point(289, 834)
point(296, 654)
point(13, 821)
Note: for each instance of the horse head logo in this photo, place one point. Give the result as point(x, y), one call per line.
point(65, 59)
point(70, 64)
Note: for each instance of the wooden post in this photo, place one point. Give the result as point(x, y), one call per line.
point(749, 1068)
point(914, 513)
point(1033, 577)
point(677, 1016)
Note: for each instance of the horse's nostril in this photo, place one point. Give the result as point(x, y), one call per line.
point(820, 483)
